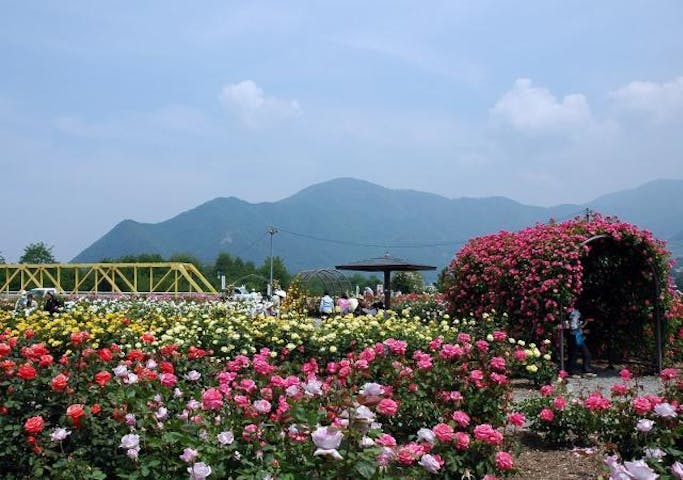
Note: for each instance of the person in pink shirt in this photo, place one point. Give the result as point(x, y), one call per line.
point(344, 304)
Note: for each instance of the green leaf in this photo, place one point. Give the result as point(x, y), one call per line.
point(366, 469)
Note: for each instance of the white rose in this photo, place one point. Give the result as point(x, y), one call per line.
point(429, 463)
point(130, 441)
point(327, 438)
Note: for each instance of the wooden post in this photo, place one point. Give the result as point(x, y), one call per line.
point(387, 289)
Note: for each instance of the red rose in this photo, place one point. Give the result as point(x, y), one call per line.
point(46, 360)
point(34, 425)
point(79, 337)
point(101, 378)
point(105, 354)
point(95, 409)
point(59, 382)
point(166, 367)
point(26, 372)
point(147, 337)
point(76, 413)
point(135, 356)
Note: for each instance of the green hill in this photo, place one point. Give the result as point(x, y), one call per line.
point(346, 219)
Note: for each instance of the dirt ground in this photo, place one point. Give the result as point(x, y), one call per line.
point(539, 463)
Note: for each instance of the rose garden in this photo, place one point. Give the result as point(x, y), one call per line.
point(199, 388)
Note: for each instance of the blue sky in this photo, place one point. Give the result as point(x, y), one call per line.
point(114, 110)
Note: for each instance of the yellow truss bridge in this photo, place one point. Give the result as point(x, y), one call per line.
point(133, 278)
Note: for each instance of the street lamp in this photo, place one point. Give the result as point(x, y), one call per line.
point(271, 231)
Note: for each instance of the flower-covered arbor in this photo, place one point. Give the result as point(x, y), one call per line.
point(611, 270)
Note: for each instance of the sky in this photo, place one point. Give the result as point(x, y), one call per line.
point(140, 110)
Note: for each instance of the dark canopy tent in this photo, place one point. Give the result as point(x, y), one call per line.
point(386, 264)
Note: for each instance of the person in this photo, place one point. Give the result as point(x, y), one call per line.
point(21, 302)
point(326, 304)
point(353, 303)
point(51, 303)
point(576, 343)
point(344, 304)
point(31, 304)
point(276, 300)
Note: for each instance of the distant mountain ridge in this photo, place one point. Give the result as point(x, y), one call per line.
point(346, 219)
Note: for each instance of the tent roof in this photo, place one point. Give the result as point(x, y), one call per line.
point(385, 263)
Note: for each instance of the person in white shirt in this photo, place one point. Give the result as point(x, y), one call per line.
point(326, 304)
point(576, 342)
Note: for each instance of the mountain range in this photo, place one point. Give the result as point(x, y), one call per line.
point(346, 219)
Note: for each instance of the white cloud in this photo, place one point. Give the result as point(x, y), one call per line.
point(254, 108)
point(531, 109)
point(663, 100)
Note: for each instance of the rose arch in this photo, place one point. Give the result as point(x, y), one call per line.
point(612, 271)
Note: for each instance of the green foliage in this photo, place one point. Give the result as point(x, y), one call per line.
point(443, 280)
point(626, 423)
point(362, 281)
point(2, 259)
point(407, 282)
point(280, 272)
point(238, 272)
point(37, 252)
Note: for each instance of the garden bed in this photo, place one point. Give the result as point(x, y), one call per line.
point(165, 390)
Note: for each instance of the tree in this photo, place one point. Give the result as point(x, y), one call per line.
point(407, 282)
point(443, 280)
point(2, 259)
point(37, 252)
point(362, 281)
point(280, 273)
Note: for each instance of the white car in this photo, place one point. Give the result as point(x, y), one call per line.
point(42, 291)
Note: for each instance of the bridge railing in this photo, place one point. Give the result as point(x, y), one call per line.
point(162, 277)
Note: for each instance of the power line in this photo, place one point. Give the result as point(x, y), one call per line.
point(377, 245)
point(250, 246)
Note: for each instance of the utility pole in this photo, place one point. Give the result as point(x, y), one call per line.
point(271, 231)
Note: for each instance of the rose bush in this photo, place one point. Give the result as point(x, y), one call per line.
point(538, 274)
point(624, 423)
point(74, 404)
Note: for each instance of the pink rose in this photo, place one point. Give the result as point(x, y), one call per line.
point(212, 399)
point(497, 363)
point(387, 407)
point(444, 432)
point(386, 440)
point(168, 379)
point(559, 403)
point(262, 406)
point(517, 419)
point(488, 434)
point(504, 461)
point(641, 405)
point(546, 415)
point(461, 418)
point(462, 441)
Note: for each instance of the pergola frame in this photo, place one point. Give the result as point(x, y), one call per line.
point(333, 281)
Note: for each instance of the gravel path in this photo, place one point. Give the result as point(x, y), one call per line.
point(603, 382)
